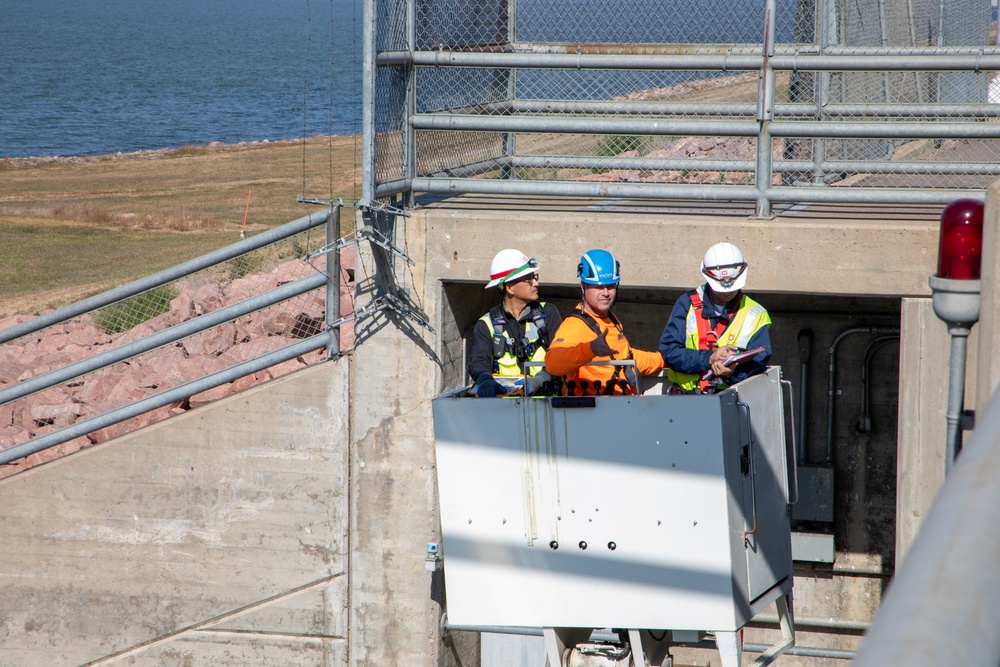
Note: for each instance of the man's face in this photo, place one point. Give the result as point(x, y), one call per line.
point(722, 298)
point(524, 289)
point(599, 298)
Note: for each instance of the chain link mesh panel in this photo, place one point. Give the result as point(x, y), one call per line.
point(153, 372)
point(883, 90)
point(390, 123)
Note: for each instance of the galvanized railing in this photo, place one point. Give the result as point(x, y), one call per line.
point(942, 607)
point(122, 359)
point(775, 101)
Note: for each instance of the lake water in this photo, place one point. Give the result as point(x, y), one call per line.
point(85, 77)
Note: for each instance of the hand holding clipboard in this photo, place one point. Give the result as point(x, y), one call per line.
point(733, 360)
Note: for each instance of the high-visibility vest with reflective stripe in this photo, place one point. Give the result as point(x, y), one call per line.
point(749, 318)
point(507, 363)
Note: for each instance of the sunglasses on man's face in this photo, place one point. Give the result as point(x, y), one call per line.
point(524, 279)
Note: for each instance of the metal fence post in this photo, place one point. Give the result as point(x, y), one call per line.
point(765, 113)
point(827, 37)
point(368, 106)
point(333, 282)
point(409, 134)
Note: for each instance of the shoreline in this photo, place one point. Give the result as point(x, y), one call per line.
point(156, 153)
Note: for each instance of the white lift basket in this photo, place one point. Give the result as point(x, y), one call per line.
point(643, 513)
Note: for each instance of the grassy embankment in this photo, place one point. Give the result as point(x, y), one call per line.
point(74, 227)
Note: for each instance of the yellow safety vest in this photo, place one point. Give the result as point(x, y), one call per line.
point(749, 318)
point(505, 361)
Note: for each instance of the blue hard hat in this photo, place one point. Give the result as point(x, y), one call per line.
point(598, 267)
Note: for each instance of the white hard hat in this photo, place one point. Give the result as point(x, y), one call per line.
point(724, 268)
point(509, 265)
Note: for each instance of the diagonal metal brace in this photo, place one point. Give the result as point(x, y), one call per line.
point(378, 304)
point(383, 208)
point(329, 203)
point(366, 233)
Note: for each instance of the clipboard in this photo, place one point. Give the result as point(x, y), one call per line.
point(514, 384)
point(734, 360)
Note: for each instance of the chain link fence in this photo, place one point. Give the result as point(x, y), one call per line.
point(769, 100)
point(254, 304)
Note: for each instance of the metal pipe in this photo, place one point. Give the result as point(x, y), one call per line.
point(907, 111)
point(762, 172)
point(692, 164)
point(574, 61)
point(163, 398)
point(805, 351)
point(853, 195)
point(859, 130)
point(805, 651)
point(163, 277)
point(586, 189)
point(942, 607)
point(563, 124)
point(392, 188)
point(865, 423)
point(368, 135)
point(409, 134)
point(832, 372)
point(810, 622)
point(956, 395)
point(700, 128)
point(829, 61)
point(332, 310)
point(160, 338)
point(787, 49)
point(765, 115)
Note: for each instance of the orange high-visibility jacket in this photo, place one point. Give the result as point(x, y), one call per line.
point(570, 351)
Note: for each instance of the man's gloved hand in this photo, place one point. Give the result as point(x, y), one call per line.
point(487, 387)
point(536, 383)
point(542, 383)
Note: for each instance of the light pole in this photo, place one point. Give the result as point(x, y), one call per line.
point(955, 297)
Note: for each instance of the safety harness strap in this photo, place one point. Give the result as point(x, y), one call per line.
point(617, 377)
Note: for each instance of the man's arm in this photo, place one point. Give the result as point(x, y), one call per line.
point(759, 363)
point(552, 321)
point(481, 356)
point(647, 363)
point(675, 354)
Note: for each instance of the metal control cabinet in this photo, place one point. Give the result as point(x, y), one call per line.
point(653, 511)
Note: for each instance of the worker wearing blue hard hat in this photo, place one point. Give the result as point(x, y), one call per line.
point(592, 332)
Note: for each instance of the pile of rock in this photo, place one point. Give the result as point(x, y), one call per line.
point(219, 348)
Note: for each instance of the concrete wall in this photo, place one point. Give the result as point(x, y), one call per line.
point(287, 524)
point(218, 537)
point(823, 269)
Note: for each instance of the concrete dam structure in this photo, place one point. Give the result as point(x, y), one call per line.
point(288, 524)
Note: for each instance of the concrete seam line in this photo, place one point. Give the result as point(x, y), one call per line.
point(271, 635)
point(196, 627)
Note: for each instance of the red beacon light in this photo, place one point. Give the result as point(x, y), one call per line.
point(955, 286)
point(960, 250)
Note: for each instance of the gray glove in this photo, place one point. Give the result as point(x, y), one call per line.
point(536, 383)
point(487, 387)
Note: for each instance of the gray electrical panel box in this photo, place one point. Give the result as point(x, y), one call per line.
point(652, 511)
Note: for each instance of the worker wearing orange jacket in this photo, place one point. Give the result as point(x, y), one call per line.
point(591, 332)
